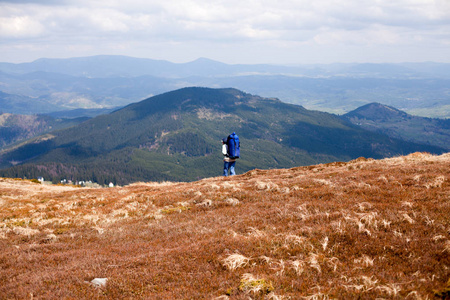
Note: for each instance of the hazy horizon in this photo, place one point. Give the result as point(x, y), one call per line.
point(234, 32)
point(199, 58)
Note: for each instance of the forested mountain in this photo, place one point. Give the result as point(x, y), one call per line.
point(398, 124)
point(15, 128)
point(176, 136)
point(20, 104)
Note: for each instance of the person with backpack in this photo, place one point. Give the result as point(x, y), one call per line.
point(231, 152)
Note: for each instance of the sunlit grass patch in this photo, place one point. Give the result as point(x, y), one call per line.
point(235, 261)
point(443, 293)
point(232, 201)
point(251, 284)
point(177, 209)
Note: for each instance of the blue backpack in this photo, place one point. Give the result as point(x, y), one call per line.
point(233, 145)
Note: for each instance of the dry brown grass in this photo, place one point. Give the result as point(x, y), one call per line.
point(364, 229)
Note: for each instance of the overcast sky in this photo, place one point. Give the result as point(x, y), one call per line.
point(231, 31)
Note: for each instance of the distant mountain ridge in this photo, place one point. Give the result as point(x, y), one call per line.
point(104, 66)
point(176, 136)
point(124, 66)
point(395, 123)
point(48, 85)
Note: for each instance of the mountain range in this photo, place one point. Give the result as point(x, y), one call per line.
point(49, 85)
point(176, 136)
point(102, 66)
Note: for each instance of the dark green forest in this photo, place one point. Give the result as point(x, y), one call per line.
point(177, 136)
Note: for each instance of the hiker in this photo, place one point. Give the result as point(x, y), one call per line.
point(231, 152)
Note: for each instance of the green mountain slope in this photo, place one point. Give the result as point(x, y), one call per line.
point(19, 104)
point(398, 124)
point(176, 136)
point(15, 128)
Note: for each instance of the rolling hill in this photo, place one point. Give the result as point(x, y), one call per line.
point(176, 136)
point(365, 229)
point(398, 124)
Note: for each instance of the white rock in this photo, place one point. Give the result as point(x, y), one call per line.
point(99, 281)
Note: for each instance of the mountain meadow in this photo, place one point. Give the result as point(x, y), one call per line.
point(176, 136)
point(363, 229)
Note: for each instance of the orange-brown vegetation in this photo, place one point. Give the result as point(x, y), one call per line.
point(363, 229)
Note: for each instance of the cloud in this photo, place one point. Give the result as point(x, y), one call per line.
point(284, 24)
point(20, 27)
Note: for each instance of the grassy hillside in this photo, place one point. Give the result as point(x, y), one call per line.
point(176, 136)
point(365, 229)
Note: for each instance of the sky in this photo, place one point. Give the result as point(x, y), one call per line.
point(230, 31)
